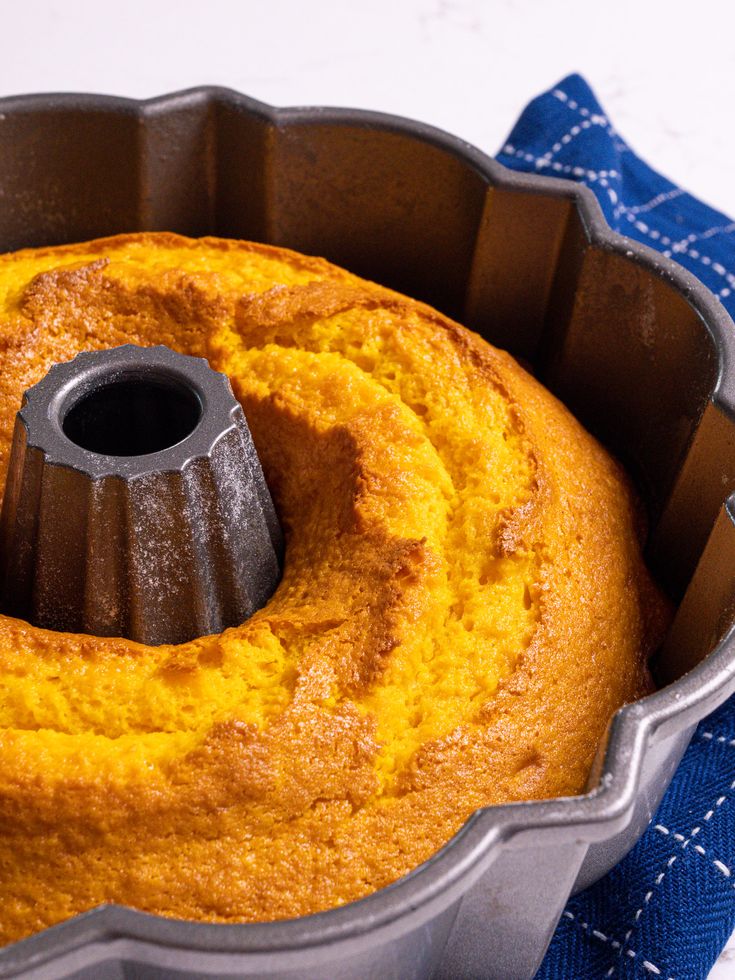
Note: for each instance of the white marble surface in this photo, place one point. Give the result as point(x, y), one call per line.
point(664, 70)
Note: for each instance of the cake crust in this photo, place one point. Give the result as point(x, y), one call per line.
point(463, 607)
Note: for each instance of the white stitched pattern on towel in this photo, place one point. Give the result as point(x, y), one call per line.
point(560, 168)
point(702, 236)
point(704, 259)
point(595, 117)
point(613, 942)
point(576, 107)
point(721, 867)
point(683, 842)
point(572, 133)
point(661, 198)
point(722, 739)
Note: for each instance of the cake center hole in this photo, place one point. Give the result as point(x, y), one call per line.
point(133, 417)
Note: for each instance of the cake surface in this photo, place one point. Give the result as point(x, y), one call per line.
point(463, 606)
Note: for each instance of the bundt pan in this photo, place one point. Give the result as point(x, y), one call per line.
point(636, 347)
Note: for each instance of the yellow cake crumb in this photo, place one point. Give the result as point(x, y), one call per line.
point(463, 604)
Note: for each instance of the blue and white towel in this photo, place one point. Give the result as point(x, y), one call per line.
point(668, 908)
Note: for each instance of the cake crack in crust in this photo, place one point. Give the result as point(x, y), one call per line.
point(463, 604)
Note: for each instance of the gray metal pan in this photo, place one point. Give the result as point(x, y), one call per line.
point(636, 347)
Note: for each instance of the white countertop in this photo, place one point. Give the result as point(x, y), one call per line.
point(465, 65)
point(664, 71)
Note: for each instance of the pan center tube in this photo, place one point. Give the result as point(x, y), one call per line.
point(133, 417)
point(135, 503)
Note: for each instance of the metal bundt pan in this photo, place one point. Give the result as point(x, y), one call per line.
point(635, 345)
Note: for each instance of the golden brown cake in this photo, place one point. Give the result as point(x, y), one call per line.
point(463, 606)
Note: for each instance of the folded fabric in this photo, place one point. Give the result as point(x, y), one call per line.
point(668, 908)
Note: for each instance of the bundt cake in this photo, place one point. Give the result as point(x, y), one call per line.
point(463, 603)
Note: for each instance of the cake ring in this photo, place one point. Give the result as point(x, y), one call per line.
point(463, 603)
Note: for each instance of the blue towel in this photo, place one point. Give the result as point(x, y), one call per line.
point(668, 908)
